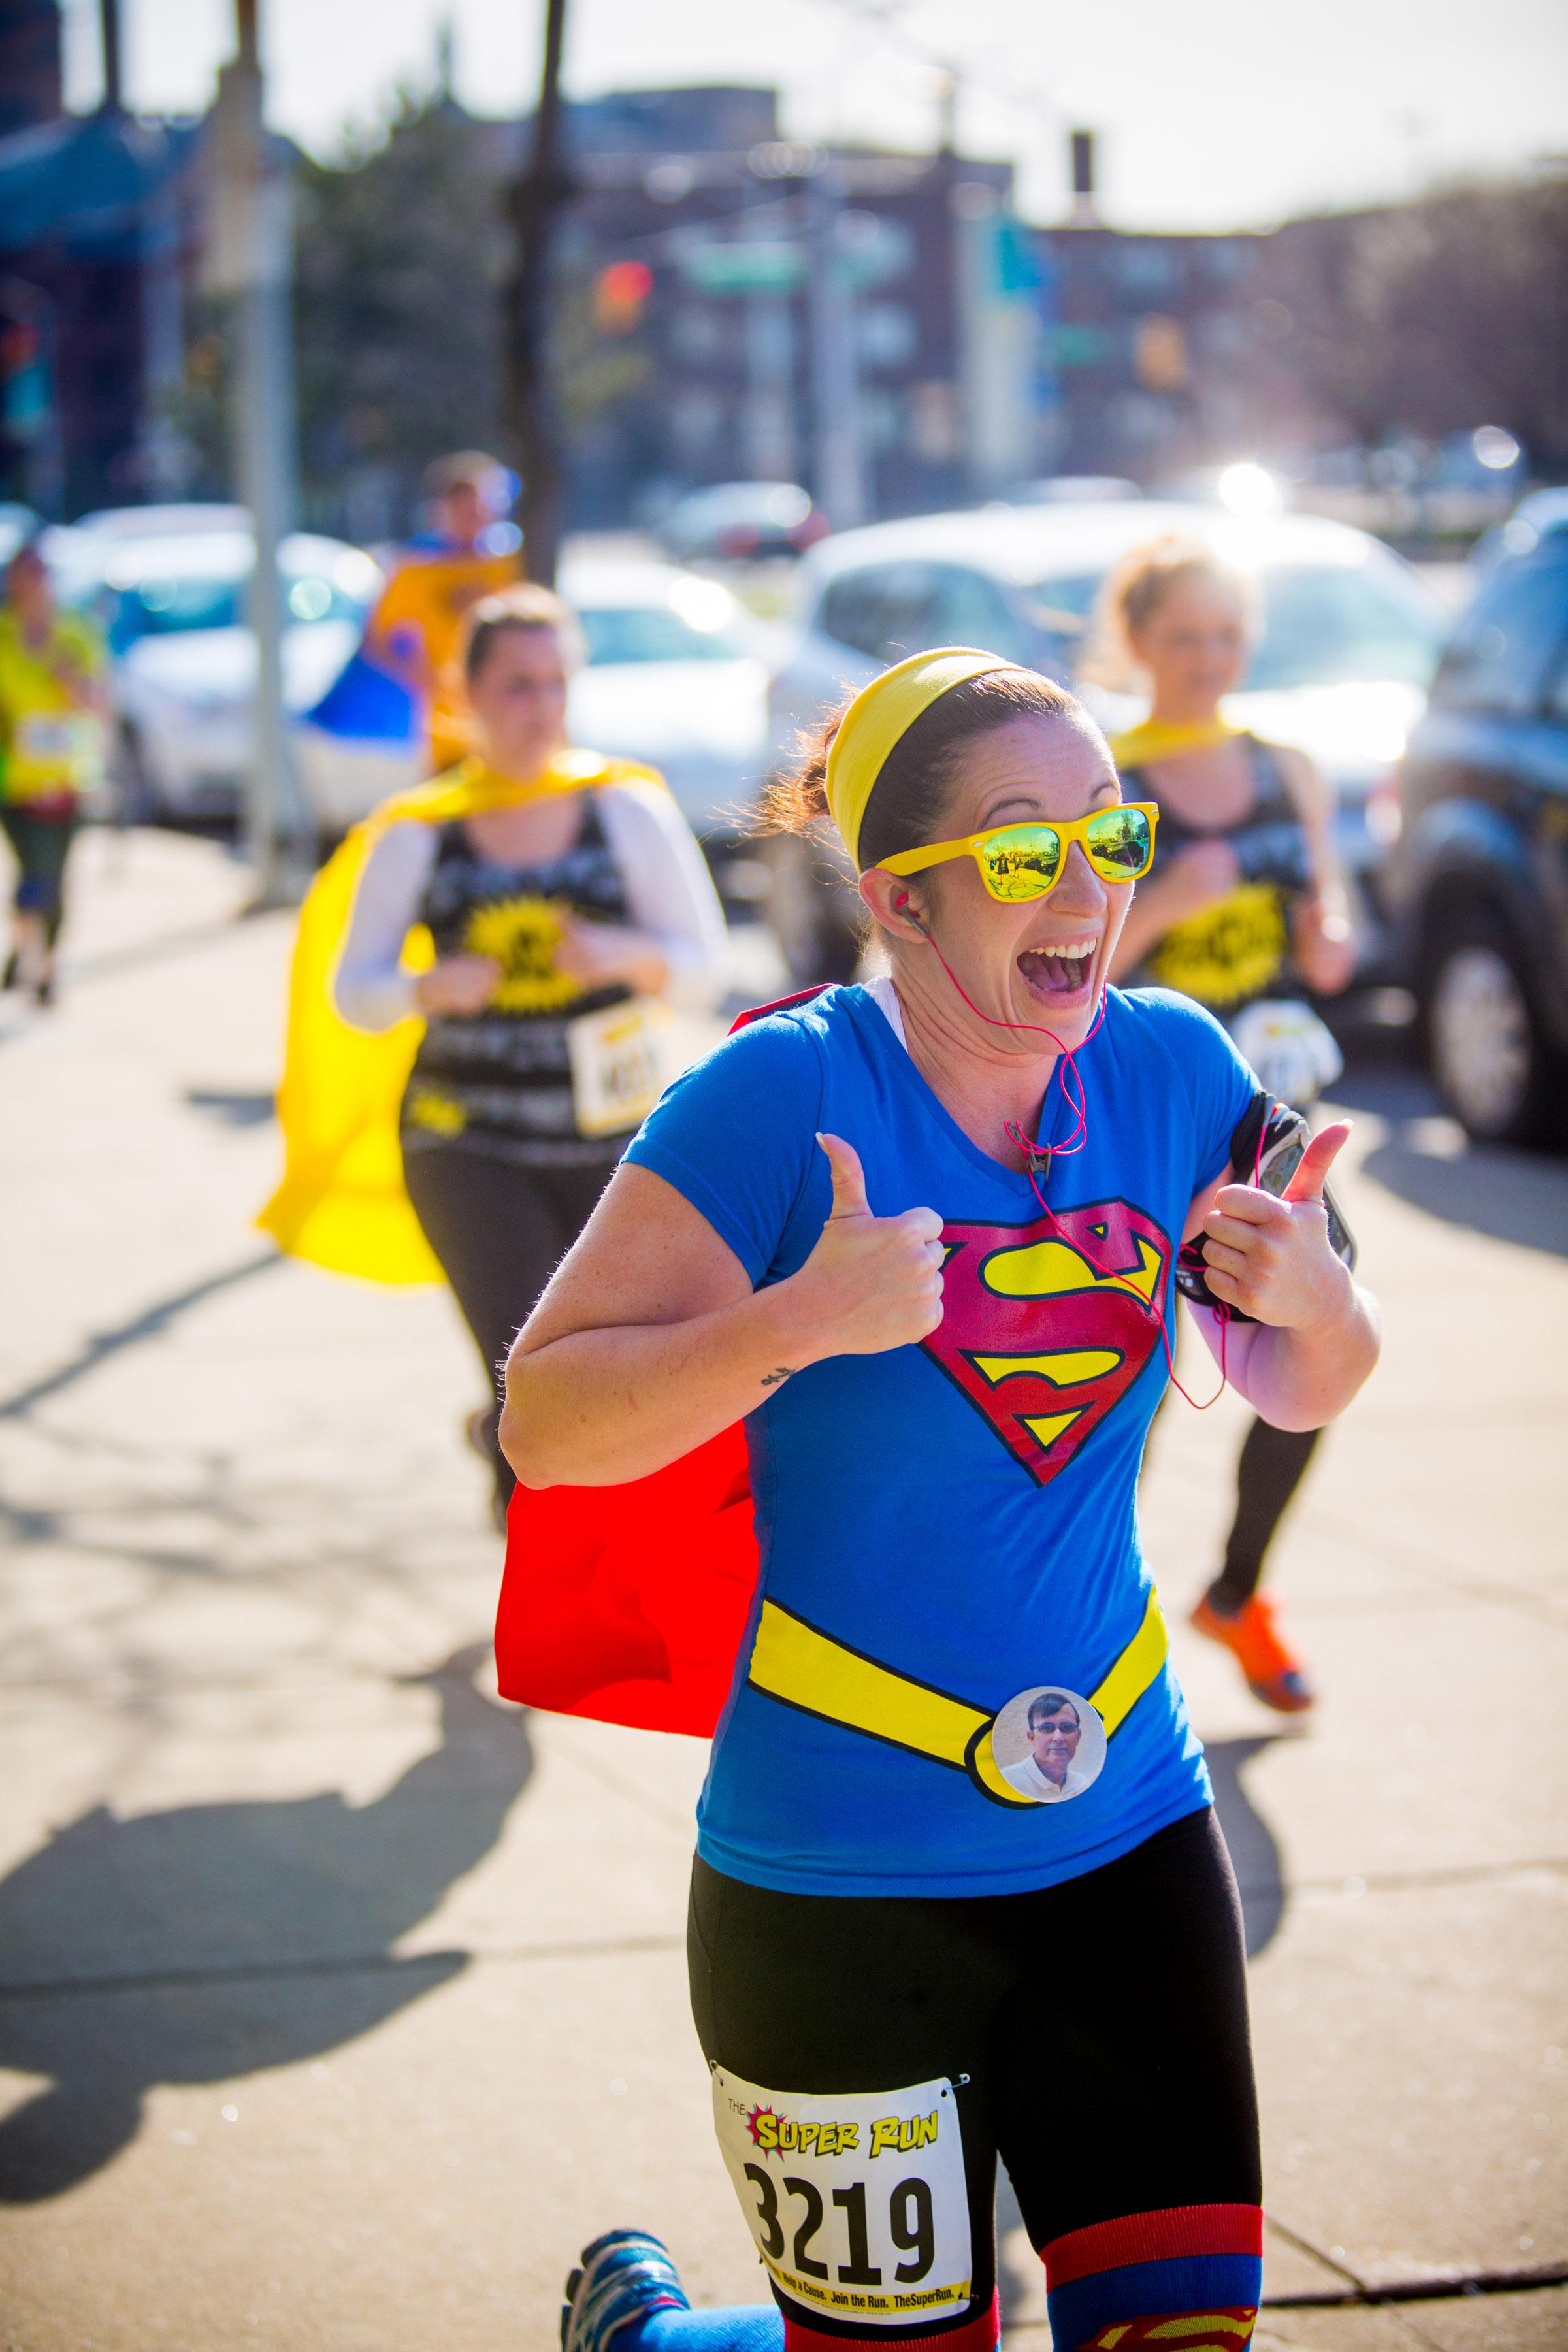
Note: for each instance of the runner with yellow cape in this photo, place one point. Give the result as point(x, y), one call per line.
point(342, 1202)
point(1243, 909)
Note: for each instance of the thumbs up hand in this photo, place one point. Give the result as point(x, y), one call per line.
point(1271, 1257)
point(871, 1283)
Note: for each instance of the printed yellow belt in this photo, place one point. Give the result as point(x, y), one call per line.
point(807, 1668)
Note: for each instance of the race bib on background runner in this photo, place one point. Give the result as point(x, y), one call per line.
point(857, 2202)
point(620, 1065)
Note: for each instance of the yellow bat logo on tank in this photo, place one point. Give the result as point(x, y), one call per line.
point(524, 934)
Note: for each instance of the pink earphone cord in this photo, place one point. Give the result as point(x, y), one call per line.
point(1073, 1095)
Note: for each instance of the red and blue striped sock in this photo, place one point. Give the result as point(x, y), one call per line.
point(762, 2327)
point(1188, 2276)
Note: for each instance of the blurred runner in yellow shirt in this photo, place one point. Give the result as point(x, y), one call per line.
point(470, 552)
point(52, 704)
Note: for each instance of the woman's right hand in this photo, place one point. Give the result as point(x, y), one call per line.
point(460, 984)
point(871, 1283)
point(1198, 877)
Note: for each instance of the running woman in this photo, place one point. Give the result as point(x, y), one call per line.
point(469, 551)
point(1244, 907)
point(919, 1234)
point(52, 705)
point(480, 996)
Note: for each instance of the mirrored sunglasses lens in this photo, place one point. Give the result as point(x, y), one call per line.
point(1022, 861)
point(1118, 841)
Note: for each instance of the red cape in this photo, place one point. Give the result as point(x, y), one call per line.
point(628, 1603)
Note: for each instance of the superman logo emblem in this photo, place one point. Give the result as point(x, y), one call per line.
point(1046, 1325)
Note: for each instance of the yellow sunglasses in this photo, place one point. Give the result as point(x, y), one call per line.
point(1025, 861)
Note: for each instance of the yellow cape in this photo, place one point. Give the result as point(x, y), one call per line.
point(342, 1203)
point(1157, 739)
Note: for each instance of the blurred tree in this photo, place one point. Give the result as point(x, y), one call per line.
point(399, 258)
point(1433, 316)
point(401, 255)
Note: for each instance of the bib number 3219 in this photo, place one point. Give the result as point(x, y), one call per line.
point(857, 2202)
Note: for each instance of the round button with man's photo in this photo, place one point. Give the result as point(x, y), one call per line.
point(1049, 1744)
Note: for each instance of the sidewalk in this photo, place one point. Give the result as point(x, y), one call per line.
point(338, 2004)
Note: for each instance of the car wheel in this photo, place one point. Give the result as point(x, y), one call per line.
point(815, 910)
point(1492, 1066)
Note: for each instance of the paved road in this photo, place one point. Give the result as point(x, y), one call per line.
point(338, 2003)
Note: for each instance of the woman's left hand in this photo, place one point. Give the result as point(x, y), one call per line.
point(594, 954)
point(1325, 946)
point(1271, 1256)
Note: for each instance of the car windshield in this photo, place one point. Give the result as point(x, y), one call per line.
point(1323, 624)
point(143, 601)
point(657, 633)
point(1336, 625)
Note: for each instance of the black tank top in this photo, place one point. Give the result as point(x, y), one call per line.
point(1239, 948)
point(500, 1082)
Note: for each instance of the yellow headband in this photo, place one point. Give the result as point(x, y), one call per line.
point(880, 715)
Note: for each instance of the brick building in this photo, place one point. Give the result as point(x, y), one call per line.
point(97, 223)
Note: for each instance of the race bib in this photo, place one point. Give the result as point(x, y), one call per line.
point(65, 746)
point(1294, 1056)
point(40, 738)
point(857, 2202)
point(620, 1065)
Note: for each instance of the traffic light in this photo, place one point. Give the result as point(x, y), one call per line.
point(1162, 353)
point(619, 296)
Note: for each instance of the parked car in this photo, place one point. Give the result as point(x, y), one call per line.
point(676, 675)
point(169, 585)
point(1538, 514)
point(1070, 490)
point(1350, 641)
point(744, 521)
point(1480, 883)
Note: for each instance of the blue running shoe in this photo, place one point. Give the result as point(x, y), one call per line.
point(624, 2275)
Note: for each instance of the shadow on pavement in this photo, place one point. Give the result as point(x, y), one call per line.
point(1253, 1851)
point(146, 1326)
point(233, 1110)
point(216, 1940)
point(1513, 1196)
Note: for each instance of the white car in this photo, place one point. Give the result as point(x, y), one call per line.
point(170, 586)
point(1351, 640)
point(676, 676)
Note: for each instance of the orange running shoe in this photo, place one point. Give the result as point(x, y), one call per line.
point(1252, 1640)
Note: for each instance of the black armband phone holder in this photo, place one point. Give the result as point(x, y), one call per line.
point(1266, 1151)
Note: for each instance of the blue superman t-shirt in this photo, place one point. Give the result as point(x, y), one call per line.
point(944, 1527)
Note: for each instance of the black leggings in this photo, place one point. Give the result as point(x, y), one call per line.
point(1095, 2033)
point(499, 1231)
point(1272, 1464)
point(41, 846)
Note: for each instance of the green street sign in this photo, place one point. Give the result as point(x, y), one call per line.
point(754, 268)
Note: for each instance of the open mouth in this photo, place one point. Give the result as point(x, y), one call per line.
point(1060, 972)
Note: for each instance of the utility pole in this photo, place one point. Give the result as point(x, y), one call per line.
point(535, 204)
point(770, 367)
point(113, 100)
point(839, 463)
point(249, 259)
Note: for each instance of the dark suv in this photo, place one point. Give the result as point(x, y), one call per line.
point(1481, 880)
